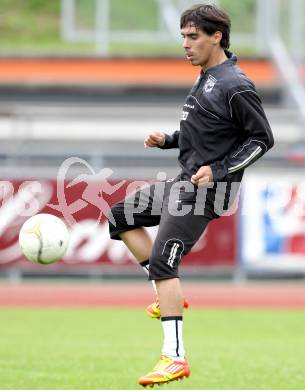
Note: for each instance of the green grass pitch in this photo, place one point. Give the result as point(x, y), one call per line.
point(88, 349)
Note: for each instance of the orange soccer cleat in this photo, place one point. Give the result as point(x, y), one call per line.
point(166, 370)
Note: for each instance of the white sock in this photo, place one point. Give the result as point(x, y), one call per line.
point(145, 266)
point(173, 341)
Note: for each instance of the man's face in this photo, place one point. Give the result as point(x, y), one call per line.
point(197, 44)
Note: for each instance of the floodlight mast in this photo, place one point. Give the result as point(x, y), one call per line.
point(102, 40)
point(286, 59)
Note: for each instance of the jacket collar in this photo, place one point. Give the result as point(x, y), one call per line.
point(232, 59)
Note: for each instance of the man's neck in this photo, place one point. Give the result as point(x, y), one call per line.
point(217, 58)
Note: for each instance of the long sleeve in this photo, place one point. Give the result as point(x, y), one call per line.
point(256, 136)
point(171, 141)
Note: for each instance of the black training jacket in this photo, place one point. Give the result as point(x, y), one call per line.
point(223, 124)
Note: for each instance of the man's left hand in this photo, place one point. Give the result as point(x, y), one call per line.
point(203, 176)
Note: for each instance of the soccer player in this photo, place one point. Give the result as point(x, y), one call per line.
point(223, 130)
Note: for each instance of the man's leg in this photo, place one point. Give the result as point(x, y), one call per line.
point(138, 242)
point(172, 364)
point(176, 236)
point(134, 236)
point(170, 297)
point(171, 306)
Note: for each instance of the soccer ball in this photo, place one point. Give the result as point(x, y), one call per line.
point(44, 239)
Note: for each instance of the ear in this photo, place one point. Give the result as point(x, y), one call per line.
point(217, 37)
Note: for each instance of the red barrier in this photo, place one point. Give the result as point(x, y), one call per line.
point(89, 241)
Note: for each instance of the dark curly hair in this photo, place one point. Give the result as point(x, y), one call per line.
point(208, 19)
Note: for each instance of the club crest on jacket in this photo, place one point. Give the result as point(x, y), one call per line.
point(209, 84)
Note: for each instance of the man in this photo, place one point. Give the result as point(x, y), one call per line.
point(223, 130)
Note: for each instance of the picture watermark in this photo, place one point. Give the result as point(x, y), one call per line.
point(179, 197)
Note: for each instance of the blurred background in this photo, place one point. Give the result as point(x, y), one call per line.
point(87, 80)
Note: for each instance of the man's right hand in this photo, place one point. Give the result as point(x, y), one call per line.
point(154, 140)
